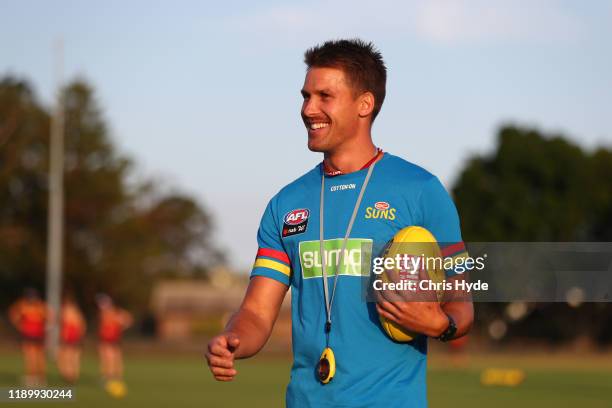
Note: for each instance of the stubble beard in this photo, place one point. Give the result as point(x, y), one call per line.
point(320, 144)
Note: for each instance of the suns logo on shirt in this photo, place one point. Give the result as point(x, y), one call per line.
point(381, 209)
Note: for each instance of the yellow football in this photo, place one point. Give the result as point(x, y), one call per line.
point(116, 388)
point(417, 242)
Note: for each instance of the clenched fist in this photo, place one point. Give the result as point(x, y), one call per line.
point(220, 356)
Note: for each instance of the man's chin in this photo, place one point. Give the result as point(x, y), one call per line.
point(316, 149)
point(313, 146)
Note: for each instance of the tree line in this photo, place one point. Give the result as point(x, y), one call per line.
point(539, 187)
point(120, 234)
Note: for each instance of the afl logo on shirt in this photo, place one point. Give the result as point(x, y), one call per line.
point(295, 222)
point(381, 209)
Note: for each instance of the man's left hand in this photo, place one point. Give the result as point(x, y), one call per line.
point(420, 317)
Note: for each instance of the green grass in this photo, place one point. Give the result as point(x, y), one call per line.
point(179, 381)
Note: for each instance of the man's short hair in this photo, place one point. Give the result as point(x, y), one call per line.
point(361, 62)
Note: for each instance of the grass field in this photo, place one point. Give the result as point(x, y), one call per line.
point(560, 380)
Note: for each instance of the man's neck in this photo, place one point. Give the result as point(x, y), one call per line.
point(350, 158)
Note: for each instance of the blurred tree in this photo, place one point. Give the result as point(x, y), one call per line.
point(538, 187)
point(118, 236)
point(24, 127)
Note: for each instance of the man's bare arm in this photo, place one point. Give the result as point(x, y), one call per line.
point(458, 305)
point(462, 313)
point(253, 322)
point(249, 328)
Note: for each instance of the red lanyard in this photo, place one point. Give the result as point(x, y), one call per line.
point(330, 172)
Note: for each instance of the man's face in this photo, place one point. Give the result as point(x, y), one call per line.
point(330, 110)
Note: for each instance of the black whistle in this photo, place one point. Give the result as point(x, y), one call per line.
point(327, 327)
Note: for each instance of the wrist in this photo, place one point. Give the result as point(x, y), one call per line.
point(450, 331)
point(441, 324)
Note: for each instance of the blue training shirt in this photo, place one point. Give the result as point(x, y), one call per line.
point(372, 370)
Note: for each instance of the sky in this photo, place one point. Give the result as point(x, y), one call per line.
point(204, 96)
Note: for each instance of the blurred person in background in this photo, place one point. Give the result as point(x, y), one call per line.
point(72, 330)
point(29, 315)
point(112, 323)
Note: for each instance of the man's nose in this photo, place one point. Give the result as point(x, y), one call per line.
point(309, 107)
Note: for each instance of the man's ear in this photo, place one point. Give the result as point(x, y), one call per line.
point(366, 104)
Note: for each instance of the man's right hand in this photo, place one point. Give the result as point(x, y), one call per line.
point(220, 356)
point(256, 317)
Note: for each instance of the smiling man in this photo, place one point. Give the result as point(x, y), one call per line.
point(311, 238)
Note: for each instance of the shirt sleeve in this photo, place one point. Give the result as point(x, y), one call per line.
point(272, 260)
point(441, 219)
